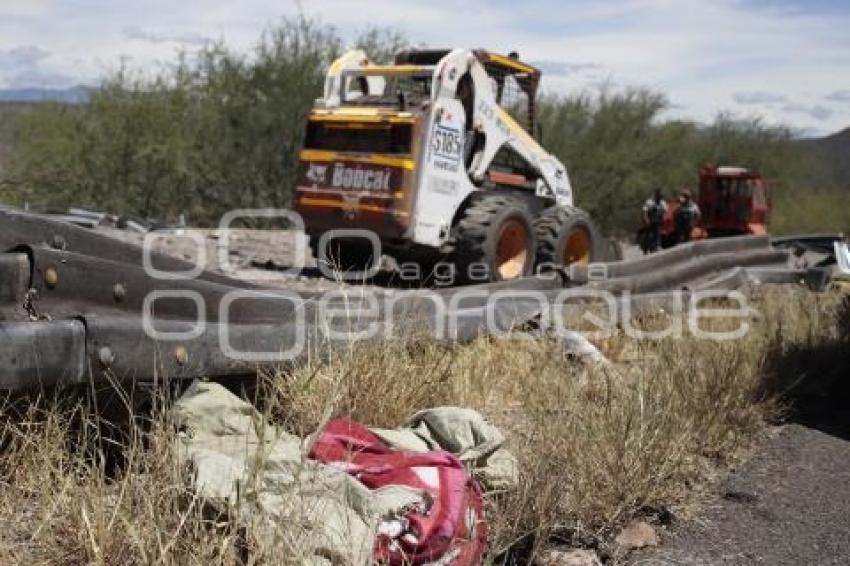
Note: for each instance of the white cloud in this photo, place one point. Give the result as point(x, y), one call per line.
point(28, 9)
point(839, 96)
point(758, 97)
point(705, 55)
point(138, 34)
point(566, 68)
point(817, 111)
point(22, 67)
point(22, 55)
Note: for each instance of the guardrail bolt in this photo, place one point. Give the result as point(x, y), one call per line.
point(181, 355)
point(106, 357)
point(51, 277)
point(119, 292)
point(58, 242)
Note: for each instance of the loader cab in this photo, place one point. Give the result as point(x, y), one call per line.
point(514, 82)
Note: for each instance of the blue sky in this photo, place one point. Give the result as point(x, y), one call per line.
point(785, 60)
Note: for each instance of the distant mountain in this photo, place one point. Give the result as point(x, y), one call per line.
point(835, 151)
point(75, 95)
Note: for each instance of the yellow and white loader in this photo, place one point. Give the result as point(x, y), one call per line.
point(435, 156)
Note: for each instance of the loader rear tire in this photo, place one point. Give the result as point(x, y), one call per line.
point(494, 240)
point(566, 235)
point(344, 255)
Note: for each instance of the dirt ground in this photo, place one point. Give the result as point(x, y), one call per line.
point(789, 505)
point(265, 257)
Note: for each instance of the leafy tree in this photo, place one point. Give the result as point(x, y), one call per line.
point(381, 44)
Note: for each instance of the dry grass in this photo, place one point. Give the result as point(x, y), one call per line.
point(595, 447)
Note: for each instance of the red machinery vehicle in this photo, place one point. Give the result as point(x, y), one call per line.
point(733, 201)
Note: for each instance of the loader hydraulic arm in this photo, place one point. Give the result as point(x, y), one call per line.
point(497, 128)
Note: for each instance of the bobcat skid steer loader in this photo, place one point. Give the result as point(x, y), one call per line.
point(435, 158)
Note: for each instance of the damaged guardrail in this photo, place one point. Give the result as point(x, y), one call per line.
point(77, 305)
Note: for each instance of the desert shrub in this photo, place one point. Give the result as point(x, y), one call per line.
point(618, 149)
point(216, 131)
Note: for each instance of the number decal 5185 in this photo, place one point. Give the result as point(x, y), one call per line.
point(446, 143)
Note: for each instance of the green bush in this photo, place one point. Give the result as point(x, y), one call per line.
point(618, 150)
point(215, 132)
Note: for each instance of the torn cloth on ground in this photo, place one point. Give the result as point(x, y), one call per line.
point(449, 519)
point(464, 433)
point(359, 497)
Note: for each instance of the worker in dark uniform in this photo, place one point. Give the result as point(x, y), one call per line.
point(687, 216)
point(654, 210)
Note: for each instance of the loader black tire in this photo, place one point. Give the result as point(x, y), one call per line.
point(566, 235)
point(345, 255)
point(493, 240)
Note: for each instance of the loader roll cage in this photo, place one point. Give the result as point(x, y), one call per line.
point(515, 85)
point(514, 82)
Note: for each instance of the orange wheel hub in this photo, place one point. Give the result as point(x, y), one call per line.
point(512, 250)
point(577, 248)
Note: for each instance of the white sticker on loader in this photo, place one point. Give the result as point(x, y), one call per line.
point(442, 185)
point(842, 258)
point(446, 147)
point(443, 179)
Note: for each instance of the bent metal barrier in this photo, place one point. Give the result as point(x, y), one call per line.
point(76, 305)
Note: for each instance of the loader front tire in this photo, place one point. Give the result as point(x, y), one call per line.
point(566, 235)
point(494, 240)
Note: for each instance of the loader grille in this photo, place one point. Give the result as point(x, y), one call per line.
point(391, 139)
